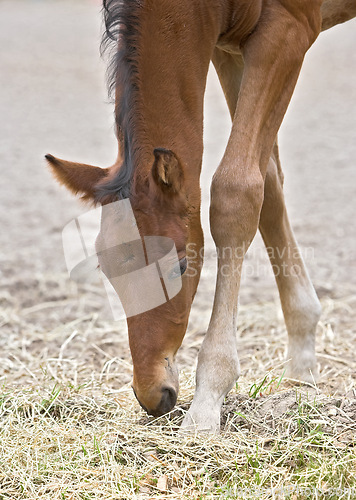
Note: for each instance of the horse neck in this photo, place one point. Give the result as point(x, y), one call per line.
point(163, 91)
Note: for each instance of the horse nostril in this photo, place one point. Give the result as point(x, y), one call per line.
point(168, 401)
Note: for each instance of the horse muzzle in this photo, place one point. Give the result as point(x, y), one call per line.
point(167, 401)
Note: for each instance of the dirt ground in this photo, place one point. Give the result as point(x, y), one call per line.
point(53, 100)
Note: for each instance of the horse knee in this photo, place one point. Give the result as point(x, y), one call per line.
point(236, 205)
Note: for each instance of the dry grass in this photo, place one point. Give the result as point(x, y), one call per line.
point(71, 428)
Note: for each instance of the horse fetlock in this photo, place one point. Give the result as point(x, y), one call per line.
point(302, 317)
point(216, 375)
point(217, 372)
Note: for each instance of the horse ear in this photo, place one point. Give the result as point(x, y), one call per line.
point(167, 172)
point(78, 178)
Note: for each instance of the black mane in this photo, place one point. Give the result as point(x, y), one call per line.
point(120, 39)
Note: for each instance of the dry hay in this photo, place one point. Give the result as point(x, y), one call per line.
point(71, 428)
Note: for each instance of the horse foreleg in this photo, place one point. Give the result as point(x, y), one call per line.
point(300, 304)
point(273, 56)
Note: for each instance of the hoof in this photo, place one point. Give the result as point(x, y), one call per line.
point(199, 423)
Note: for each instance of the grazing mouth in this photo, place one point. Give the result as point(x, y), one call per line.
point(167, 403)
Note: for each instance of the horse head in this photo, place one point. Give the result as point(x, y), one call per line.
point(160, 204)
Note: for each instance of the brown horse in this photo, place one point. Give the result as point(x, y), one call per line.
point(158, 74)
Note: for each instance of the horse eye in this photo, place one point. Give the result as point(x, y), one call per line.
point(183, 264)
point(179, 269)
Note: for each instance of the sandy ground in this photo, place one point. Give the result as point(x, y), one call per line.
point(53, 99)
